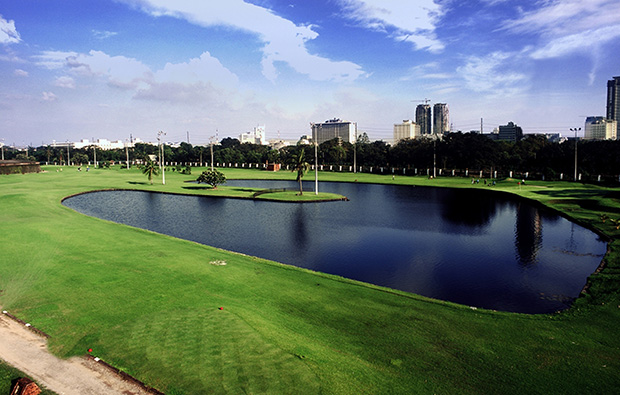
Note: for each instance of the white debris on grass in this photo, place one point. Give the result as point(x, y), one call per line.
point(218, 263)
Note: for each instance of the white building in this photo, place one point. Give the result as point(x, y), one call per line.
point(406, 130)
point(256, 136)
point(334, 128)
point(600, 128)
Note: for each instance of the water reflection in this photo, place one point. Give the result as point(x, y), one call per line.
point(465, 246)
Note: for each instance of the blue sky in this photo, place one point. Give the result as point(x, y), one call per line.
point(75, 69)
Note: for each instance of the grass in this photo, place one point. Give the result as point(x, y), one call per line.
point(149, 304)
point(8, 377)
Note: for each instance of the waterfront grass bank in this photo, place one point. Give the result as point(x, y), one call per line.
point(149, 303)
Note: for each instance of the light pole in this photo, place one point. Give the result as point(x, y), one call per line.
point(315, 136)
point(575, 130)
point(68, 157)
point(211, 144)
point(355, 151)
point(95, 155)
point(127, 151)
point(2, 147)
point(162, 162)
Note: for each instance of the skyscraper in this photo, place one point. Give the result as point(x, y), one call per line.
point(423, 118)
point(613, 99)
point(334, 128)
point(441, 119)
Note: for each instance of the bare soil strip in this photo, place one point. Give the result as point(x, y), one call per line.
point(27, 351)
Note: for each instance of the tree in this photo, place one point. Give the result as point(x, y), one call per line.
point(212, 177)
point(300, 165)
point(150, 169)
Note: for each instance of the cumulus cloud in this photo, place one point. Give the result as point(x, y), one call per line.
point(65, 82)
point(200, 79)
point(20, 73)
point(409, 21)
point(284, 41)
point(8, 33)
point(49, 96)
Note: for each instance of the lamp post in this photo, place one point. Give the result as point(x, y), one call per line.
point(68, 157)
point(575, 130)
point(162, 162)
point(127, 151)
point(355, 151)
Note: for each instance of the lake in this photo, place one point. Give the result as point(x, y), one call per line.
point(467, 246)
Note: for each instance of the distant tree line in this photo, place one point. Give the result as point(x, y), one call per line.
point(456, 151)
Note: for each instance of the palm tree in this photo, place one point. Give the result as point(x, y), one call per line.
point(300, 166)
point(149, 168)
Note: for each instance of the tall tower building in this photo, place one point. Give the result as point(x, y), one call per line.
point(334, 128)
point(423, 118)
point(613, 99)
point(441, 119)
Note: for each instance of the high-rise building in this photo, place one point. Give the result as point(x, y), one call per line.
point(257, 136)
point(406, 130)
point(441, 119)
point(600, 128)
point(510, 132)
point(423, 118)
point(334, 128)
point(613, 99)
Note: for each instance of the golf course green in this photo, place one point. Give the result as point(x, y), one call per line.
point(170, 313)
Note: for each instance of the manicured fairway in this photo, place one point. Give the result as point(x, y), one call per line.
point(150, 304)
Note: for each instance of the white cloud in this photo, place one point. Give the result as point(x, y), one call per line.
point(198, 80)
point(410, 21)
point(20, 73)
point(65, 82)
point(53, 59)
point(202, 69)
point(49, 96)
point(579, 42)
point(284, 41)
point(492, 74)
point(565, 17)
point(102, 35)
point(8, 33)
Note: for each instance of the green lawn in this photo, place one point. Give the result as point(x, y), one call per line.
point(149, 303)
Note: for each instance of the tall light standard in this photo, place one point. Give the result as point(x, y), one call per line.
point(575, 130)
point(315, 136)
point(68, 157)
point(162, 162)
point(355, 151)
point(211, 144)
point(127, 151)
point(2, 147)
point(95, 155)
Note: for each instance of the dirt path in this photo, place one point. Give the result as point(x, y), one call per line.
point(27, 351)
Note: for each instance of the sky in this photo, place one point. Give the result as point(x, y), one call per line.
point(115, 69)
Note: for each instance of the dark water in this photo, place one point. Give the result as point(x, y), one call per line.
point(466, 246)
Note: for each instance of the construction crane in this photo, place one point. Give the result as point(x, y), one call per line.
point(426, 101)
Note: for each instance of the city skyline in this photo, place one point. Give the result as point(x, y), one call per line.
point(109, 69)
